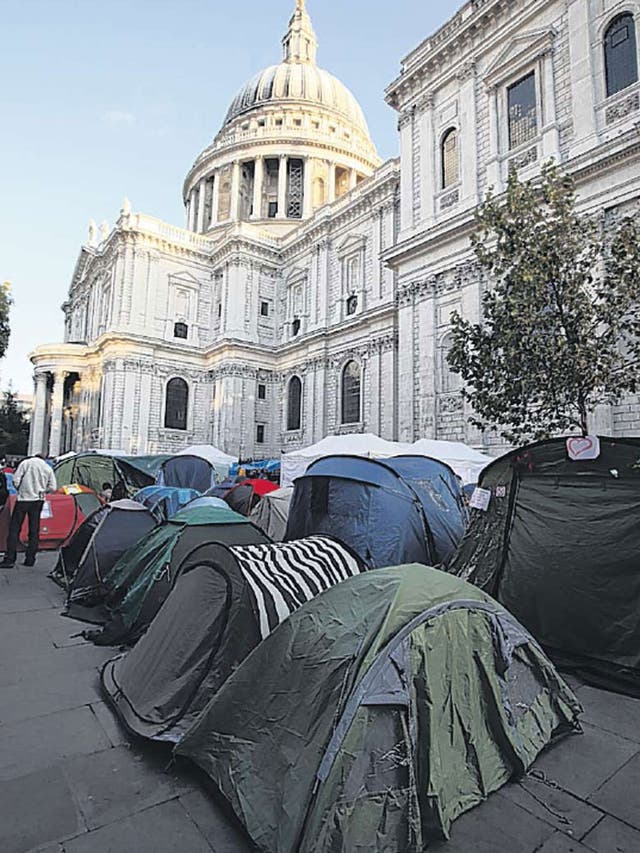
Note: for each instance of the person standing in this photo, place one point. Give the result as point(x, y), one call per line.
point(33, 479)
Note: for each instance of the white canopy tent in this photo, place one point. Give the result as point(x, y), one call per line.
point(465, 461)
point(220, 460)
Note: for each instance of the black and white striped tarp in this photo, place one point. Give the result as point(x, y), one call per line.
point(282, 577)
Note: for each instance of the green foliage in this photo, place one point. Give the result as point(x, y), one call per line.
point(14, 427)
point(560, 330)
point(5, 304)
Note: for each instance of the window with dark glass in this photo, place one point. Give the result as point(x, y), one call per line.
point(219, 309)
point(352, 304)
point(273, 209)
point(260, 434)
point(351, 393)
point(522, 109)
point(264, 309)
point(180, 330)
point(262, 392)
point(620, 54)
point(177, 401)
point(449, 158)
point(295, 326)
point(294, 403)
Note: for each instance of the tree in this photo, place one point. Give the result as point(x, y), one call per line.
point(14, 427)
point(5, 304)
point(560, 330)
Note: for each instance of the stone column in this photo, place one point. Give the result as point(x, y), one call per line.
point(235, 190)
point(282, 188)
point(493, 164)
point(36, 434)
point(57, 401)
point(191, 225)
point(429, 182)
point(331, 189)
point(307, 197)
point(582, 76)
point(550, 132)
point(353, 179)
point(215, 195)
point(258, 179)
point(200, 227)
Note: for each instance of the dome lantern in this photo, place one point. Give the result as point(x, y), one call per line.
point(300, 43)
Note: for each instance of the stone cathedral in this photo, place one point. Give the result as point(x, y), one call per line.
point(311, 289)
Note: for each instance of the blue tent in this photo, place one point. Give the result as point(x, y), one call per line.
point(187, 472)
point(207, 500)
point(403, 509)
point(164, 501)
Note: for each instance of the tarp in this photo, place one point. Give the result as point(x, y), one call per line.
point(187, 472)
point(127, 474)
point(220, 460)
point(103, 538)
point(272, 512)
point(245, 496)
point(141, 580)
point(62, 514)
point(164, 501)
point(559, 546)
point(220, 608)
point(387, 706)
point(390, 511)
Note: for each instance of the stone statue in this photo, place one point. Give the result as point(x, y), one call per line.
point(104, 229)
point(125, 210)
point(93, 232)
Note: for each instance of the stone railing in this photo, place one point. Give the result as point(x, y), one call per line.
point(172, 233)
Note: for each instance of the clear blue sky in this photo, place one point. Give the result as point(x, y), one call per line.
point(99, 100)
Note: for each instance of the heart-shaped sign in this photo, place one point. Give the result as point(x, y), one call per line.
point(581, 447)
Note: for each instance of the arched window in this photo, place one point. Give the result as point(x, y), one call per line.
point(177, 402)
point(620, 54)
point(450, 158)
point(294, 403)
point(351, 385)
point(180, 330)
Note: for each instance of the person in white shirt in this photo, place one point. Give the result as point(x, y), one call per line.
point(33, 479)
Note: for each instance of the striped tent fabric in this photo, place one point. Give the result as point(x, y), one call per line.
point(283, 577)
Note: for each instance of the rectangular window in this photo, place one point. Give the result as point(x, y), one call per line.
point(219, 309)
point(273, 209)
point(260, 434)
point(264, 309)
point(522, 111)
point(262, 392)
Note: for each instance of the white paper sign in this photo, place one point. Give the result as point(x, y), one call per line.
point(480, 499)
point(46, 510)
point(581, 447)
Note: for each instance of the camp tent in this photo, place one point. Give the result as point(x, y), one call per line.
point(465, 461)
point(97, 545)
point(244, 496)
point(207, 501)
point(559, 546)
point(187, 472)
point(164, 501)
point(272, 512)
point(294, 464)
point(389, 511)
point(220, 460)
point(63, 512)
point(220, 608)
point(144, 576)
point(386, 707)
point(127, 474)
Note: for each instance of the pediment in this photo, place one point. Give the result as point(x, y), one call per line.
point(185, 278)
point(296, 275)
point(520, 50)
point(352, 243)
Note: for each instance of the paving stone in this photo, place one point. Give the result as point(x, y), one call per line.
point(57, 817)
point(555, 806)
point(496, 826)
point(25, 664)
point(162, 829)
point(620, 796)
point(40, 696)
point(612, 836)
point(15, 603)
point(221, 831)
point(561, 843)
point(114, 730)
point(117, 783)
point(33, 744)
point(69, 634)
point(582, 763)
point(611, 711)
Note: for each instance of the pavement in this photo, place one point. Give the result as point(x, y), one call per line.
point(72, 781)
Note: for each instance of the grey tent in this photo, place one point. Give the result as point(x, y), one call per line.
point(271, 514)
point(220, 608)
point(378, 713)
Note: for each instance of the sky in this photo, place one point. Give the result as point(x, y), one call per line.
point(102, 100)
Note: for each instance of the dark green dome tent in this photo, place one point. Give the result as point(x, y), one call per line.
point(144, 576)
point(559, 546)
point(220, 608)
point(127, 474)
point(378, 713)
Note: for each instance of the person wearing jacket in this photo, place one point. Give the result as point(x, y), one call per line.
point(33, 479)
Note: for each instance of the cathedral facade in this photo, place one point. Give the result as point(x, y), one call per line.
point(310, 292)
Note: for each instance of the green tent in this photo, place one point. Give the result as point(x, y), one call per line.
point(378, 713)
point(143, 577)
point(559, 546)
point(127, 474)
